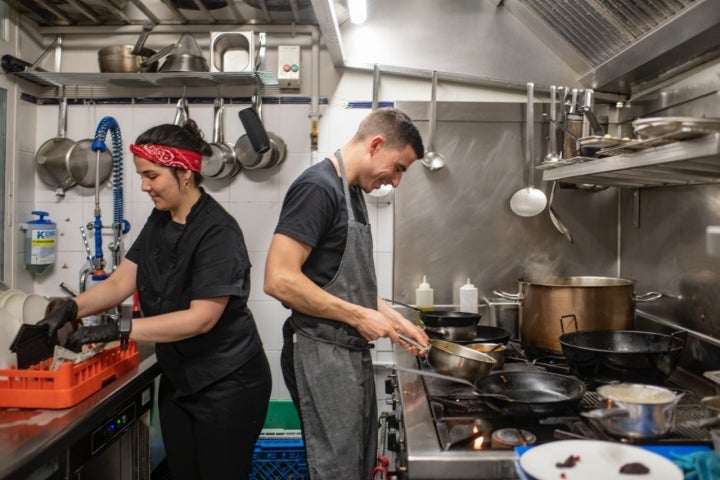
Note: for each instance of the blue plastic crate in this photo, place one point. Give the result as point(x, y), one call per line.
point(279, 459)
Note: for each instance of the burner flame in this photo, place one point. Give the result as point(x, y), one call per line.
point(478, 443)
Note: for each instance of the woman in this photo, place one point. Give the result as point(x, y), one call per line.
point(191, 269)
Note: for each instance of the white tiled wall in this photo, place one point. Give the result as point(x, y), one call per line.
point(253, 197)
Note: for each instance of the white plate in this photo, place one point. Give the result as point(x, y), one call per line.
point(8, 329)
point(4, 296)
point(34, 308)
point(598, 461)
point(14, 305)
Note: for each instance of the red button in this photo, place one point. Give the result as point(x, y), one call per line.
point(286, 68)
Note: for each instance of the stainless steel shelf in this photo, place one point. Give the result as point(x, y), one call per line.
point(689, 162)
point(104, 84)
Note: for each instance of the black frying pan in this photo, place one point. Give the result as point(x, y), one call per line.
point(522, 393)
point(438, 319)
point(531, 394)
point(441, 318)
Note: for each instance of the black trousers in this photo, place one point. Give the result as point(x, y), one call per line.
point(211, 435)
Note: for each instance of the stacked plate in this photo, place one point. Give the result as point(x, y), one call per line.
point(12, 301)
point(16, 308)
point(9, 327)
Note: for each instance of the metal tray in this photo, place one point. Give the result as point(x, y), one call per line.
point(678, 128)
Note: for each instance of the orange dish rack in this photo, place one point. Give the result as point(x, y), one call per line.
point(38, 387)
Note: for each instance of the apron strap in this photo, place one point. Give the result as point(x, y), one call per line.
point(346, 189)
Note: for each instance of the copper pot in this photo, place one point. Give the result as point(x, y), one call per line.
point(592, 303)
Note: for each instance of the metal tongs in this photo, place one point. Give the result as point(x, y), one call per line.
point(423, 348)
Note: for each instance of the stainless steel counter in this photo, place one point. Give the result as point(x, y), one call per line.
point(425, 458)
point(33, 440)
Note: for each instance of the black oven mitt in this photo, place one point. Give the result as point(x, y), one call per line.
point(63, 313)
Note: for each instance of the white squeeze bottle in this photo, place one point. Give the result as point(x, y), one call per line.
point(469, 298)
point(424, 296)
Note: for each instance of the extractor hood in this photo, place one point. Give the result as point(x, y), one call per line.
point(624, 46)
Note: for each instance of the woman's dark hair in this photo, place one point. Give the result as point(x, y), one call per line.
point(187, 136)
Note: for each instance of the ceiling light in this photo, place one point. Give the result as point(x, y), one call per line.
point(358, 11)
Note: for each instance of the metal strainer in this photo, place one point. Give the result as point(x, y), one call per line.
point(82, 163)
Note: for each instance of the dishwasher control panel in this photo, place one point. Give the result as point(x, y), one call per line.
point(112, 427)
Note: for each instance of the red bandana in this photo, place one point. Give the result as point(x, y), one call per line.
point(169, 156)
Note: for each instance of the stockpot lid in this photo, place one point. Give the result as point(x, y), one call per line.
point(579, 282)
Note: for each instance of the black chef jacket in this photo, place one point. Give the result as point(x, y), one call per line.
point(204, 258)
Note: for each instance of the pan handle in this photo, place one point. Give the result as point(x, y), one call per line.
point(574, 320)
point(508, 296)
point(403, 305)
point(647, 297)
point(415, 344)
point(605, 413)
point(680, 334)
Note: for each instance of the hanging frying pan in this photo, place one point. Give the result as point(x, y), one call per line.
point(50, 157)
point(222, 163)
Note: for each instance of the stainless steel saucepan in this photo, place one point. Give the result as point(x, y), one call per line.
point(453, 359)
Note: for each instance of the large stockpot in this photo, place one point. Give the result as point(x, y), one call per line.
point(598, 303)
point(634, 410)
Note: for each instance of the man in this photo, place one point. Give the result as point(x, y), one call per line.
point(320, 265)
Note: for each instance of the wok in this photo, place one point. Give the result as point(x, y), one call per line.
point(522, 393)
point(605, 356)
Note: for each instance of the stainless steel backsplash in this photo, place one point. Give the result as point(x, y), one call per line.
point(456, 223)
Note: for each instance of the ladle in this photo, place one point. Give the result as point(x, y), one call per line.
point(529, 201)
point(433, 160)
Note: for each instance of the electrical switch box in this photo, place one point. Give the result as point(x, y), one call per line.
point(288, 73)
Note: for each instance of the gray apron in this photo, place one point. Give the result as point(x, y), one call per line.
point(334, 372)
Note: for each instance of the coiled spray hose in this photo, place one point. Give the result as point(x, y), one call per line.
point(120, 225)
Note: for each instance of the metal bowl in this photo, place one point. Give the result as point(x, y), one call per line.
point(119, 59)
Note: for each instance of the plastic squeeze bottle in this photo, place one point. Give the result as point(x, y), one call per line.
point(469, 298)
point(424, 296)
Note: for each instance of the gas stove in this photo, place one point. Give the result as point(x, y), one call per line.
point(444, 431)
